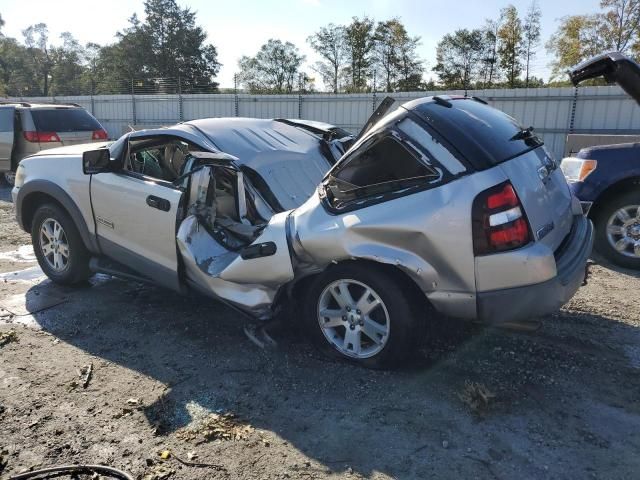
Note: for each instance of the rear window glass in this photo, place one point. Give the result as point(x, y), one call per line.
point(479, 131)
point(385, 161)
point(64, 120)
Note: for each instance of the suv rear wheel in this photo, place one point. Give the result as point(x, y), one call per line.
point(618, 230)
point(58, 246)
point(362, 314)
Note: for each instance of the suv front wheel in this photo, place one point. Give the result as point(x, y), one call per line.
point(58, 246)
point(618, 230)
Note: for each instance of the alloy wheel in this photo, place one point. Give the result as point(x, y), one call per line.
point(623, 231)
point(353, 318)
point(54, 245)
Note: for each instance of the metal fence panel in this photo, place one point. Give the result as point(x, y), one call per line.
point(554, 112)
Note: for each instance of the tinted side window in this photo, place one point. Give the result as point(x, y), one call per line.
point(64, 120)
point(6, 119)
point(385, 161)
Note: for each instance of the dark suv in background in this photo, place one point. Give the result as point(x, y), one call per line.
point(27, 128)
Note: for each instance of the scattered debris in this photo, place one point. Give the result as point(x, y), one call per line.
point(167, 454)
point(476, 396)
point(217, 427)
point(198, 464)
point(259, 336)
point(84, 377)
point(4, 461)
point(8, 337)
point(158, 472)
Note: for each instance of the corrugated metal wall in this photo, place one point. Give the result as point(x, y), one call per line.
point(554, 112)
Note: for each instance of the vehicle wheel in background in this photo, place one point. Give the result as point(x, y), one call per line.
point(363, 314)
point(9, 178)
point(58, 246)
point(618, 230)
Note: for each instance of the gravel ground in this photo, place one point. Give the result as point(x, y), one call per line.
point(177, 375)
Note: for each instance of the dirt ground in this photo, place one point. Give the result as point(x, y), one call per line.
point(177, 375)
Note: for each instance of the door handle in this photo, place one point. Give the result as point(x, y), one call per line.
point(159, 203)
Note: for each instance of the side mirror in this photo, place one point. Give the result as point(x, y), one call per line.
point(96, 161)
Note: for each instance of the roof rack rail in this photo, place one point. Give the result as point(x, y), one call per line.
point(16, 102)
point(442, 101)
point(479, 99)
point(29, 104)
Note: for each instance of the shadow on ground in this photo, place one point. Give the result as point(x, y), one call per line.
point(565, 397)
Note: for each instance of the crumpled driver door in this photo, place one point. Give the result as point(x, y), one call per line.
point(246, 275)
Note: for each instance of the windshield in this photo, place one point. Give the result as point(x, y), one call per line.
point(64, 120)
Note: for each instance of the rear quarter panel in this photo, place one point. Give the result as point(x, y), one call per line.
point(426, 234)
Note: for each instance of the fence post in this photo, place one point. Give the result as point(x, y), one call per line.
point(235, 94)
point(373, 103)
point(133, 103)
point(93, 104)
point(300, 90)
point(572, 118)
point(180, 106)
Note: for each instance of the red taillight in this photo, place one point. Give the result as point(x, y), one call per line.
point(514, 235)
point(505, 197)
point(499, 222)
point(99, 135)
point(41, 137)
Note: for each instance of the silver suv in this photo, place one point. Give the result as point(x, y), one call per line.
point(443, 205)
point(27, 128)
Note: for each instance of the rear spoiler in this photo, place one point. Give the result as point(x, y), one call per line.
point(614, 67)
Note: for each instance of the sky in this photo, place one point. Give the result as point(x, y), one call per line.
point(240, 27)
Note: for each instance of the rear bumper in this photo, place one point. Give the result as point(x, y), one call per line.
point(521, 303)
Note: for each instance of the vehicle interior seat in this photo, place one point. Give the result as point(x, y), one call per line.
point(175, 155)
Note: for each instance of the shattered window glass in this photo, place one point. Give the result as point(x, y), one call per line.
point(431, 145)
point(385, 166)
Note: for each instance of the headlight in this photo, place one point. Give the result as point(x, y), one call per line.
point(577, 169)
point(20, 176)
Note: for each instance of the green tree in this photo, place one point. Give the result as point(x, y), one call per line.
point(458, 57)
point(620, 22)
point(510, 44)
point(489, 71)
point(359, 40)
point(616, 27)
point(531, 36)
point(396, 57)
point(36, 38)
point(67, 68)
point(578, 37)
point(274, 69)
point(168, 44)
point(329, 43)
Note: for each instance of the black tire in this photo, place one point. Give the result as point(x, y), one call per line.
point(601, 217)
point(404, 311)
point(9, 178)
point(76, 269)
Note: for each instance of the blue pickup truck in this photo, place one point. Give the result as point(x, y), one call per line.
point(606, 178)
